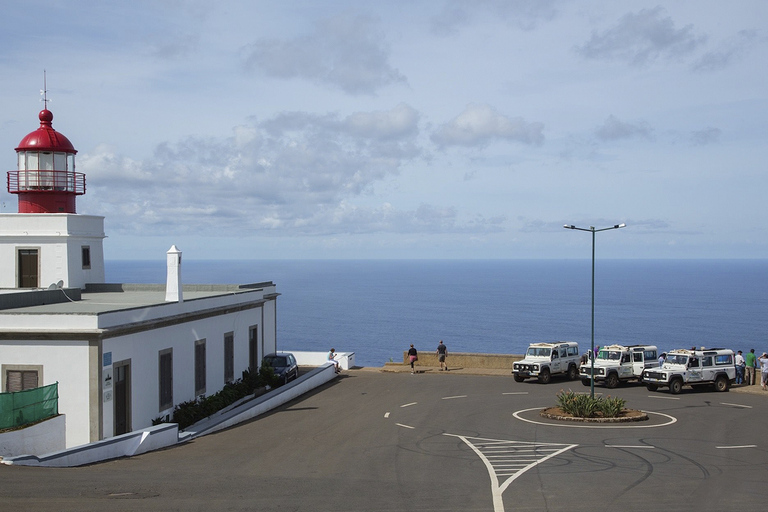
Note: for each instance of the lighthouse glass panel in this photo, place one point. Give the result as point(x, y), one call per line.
point(70, 162)
point(46, 161)
point(22, 161)
point(32, 161)
point(60, 161)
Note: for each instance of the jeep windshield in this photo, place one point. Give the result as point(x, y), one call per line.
point(611, 355)
point(676, 359)
point(538, 352)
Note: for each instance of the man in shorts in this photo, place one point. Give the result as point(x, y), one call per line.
point(442, 353)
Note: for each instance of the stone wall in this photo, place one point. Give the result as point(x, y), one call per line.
point(466, 360)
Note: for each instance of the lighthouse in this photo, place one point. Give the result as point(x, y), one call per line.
point(47, 243)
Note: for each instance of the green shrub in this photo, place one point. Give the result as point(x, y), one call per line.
point(582, 405)
point(192, 411)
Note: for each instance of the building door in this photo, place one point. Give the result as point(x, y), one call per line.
point(28, 269)
point(253, 348)
point(122, 397)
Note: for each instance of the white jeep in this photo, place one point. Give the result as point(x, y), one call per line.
point(619, 363)
point(543, 360)
point(697, 368)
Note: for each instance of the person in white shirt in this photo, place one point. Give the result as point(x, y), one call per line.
point(740, 365)
point(764, 371)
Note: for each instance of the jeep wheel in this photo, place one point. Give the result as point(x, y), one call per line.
point(612, 381)
point(676, 386)
point(573, 372)
point(652, 387)
point(721, 383)
point(519, 378)
point(544, 376)
point(586, 382)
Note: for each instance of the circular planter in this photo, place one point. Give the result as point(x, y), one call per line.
point(627, 415)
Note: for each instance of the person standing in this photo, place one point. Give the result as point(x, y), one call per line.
point(739, 368)
point(764, 371)
point(751, 366)
point(662, 358)
point(442, 353)
point(413, 356)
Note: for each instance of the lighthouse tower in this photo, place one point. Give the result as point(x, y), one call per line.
point(47, 243)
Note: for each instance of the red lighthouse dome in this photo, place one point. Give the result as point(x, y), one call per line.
point(45, 180)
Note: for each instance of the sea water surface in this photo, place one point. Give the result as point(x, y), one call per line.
point(376, 308)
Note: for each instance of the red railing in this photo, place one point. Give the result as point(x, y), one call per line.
point(20, 182)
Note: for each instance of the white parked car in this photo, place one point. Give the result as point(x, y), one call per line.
point(619, 363)
point(543, 360)
point(697, 368)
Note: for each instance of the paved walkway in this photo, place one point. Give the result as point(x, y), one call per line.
point(434, 370)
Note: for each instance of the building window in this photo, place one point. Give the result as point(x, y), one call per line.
point(20, 380)
point(166, 379)
point(199, 367)
point(253, 348)
point(28, 268)
point(229, 357)
point(20, 377)
point(86, 256)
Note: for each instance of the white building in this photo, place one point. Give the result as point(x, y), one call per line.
point(122, 354)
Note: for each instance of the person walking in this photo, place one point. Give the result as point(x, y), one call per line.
point(739, 368)
point(751, 367)
point(413, 356)
point(764, 371)
point(442, 353)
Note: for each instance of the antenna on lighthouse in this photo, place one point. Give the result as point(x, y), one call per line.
point(44, 92)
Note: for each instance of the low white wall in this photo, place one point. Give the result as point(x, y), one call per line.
point(126, 445)
point(346, 359)
point(258, 406)
point(44, 437)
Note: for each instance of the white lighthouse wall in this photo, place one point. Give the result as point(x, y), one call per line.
point(143, 350)
point(65, 362)
point(59, 239)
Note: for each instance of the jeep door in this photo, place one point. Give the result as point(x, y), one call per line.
point(557, 365)
point(637, 365)
point(694, 369)
point(708, 368)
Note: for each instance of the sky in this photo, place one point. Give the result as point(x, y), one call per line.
point(431, 129)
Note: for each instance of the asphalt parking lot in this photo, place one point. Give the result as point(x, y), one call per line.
point(373, 441)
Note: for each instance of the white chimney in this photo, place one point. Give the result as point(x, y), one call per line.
point(173, 291)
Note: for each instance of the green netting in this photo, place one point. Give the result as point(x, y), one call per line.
point(24, 407)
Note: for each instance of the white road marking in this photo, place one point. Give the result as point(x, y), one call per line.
point(410, 404)
point(404, 426)
point(569, 424)
point(736, 405)
point(386, 415)
point(663, 397)
point(735, 447)
point(452, 397)
point(645, 446)
point(509, 459)
point(516, 393)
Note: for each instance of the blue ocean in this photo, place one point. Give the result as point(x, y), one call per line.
point(376, 308)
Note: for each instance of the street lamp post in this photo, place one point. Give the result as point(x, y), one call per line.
point(592, 354)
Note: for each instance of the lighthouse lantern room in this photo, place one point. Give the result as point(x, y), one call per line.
point(47, 242)
point(46, 181)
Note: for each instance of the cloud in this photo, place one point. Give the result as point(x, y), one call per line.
point(346, 51)
point(294, 174)
point(641, 37)
point(614, 129)
point(522, 14)
point(726, 52)
point(481, 124)
point(706, 136)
